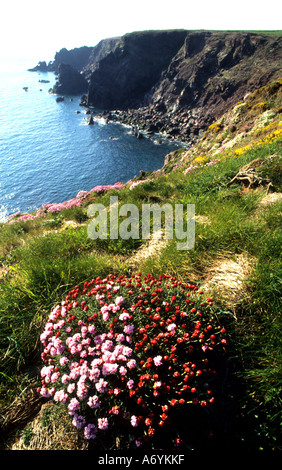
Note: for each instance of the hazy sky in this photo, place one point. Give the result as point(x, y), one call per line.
point(37, 29)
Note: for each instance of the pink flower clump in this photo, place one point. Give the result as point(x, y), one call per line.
point(58, 207)
point(139, 353)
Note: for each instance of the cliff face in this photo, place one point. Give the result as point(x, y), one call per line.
point(132, 68)
point(77, 58)
point(75, 67)
point(101, 50)
point(70, 81)
point(213, 71)
point(183, 89)
point(175, 81)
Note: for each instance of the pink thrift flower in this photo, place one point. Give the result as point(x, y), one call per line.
point(90, 431)
point(107, 345)
point(134, 421)
point(131, 364)
point(93, 402)
point(119, 300)
point(127, 351)
point(55, 377)
point(78, 421)
point(96, 362)
point(84, 331)
point(122, 370)
point(61, 396)
point(92, 329)
point(109, 368)
point(71, 388)
point(45, 392)
point(130, 384)
point(171, 327)
point(158, 360)
point(120, 338)
point(63, 361)
point(128, 329)
point(124, 316)
point(101, 385)
point(73, 405)
point(103, 423)
point(65, 379)
point(82, 391)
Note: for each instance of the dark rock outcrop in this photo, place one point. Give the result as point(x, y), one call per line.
point(127, 73)
point(192, 87)
point(213, 71)
point(70, 81)
point(101, 50)
point(84, 59)
point(77, 58)
point(40, 67)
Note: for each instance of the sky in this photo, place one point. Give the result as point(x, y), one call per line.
point(37, 29)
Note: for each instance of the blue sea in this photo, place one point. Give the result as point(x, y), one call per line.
point(47, 151)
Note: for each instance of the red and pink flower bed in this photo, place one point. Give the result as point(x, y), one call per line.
point(132, 356)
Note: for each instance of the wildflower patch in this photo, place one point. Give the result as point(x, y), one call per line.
point(129, 356)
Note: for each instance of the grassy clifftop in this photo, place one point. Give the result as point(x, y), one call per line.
point(233, 176)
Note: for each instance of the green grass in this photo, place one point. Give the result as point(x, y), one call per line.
point(44, 266)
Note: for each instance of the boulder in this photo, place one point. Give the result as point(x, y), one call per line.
point(90, 120)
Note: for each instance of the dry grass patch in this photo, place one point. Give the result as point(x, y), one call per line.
point(226, 278)
point(270, 198)
point(51, 429)
point(153, 248)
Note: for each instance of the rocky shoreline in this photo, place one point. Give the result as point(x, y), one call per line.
point(180, 126)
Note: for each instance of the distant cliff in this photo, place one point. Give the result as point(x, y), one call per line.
point(173, 81)
point(190, 88)
point(83, 59)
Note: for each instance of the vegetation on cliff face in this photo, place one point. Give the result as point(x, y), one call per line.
point(236, 260)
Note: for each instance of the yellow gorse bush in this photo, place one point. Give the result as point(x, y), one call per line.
point(262, 141)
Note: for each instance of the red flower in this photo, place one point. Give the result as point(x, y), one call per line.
point(151, 432)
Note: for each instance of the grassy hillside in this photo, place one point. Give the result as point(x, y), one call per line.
point(236, 260)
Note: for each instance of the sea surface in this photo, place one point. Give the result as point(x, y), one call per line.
point(47, 151)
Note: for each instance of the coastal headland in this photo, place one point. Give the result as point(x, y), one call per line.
point(176, 82)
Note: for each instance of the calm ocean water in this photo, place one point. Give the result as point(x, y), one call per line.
point(48, 153)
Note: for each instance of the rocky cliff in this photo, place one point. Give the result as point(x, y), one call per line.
point(176, 81)
point(70, 81)
point(128, 73)
point(210, 72)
